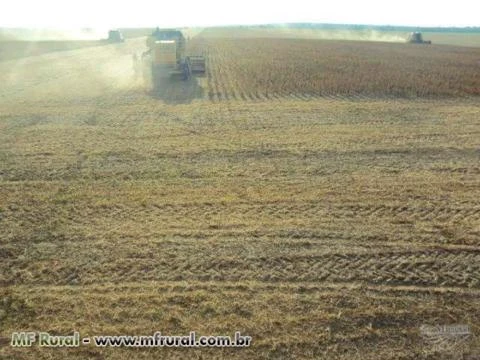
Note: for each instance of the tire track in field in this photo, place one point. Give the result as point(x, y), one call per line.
point(202, 212)
point(301, 210)
point(452, 268)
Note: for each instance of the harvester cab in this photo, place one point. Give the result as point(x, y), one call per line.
point(166, 58)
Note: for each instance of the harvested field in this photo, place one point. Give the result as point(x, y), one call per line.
point(323, 223)
point(19, 49)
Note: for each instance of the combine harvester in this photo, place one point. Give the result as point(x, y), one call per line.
point(166, 58)
point(417, 38)
point(115, 36)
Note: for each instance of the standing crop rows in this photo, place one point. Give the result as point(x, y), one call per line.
point(260, 69)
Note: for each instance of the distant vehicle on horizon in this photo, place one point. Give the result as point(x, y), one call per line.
point(115, 36)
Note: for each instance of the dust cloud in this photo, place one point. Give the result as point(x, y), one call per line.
point(352, 35)
point(289, 32)
point(74, 75)
point(12, 34)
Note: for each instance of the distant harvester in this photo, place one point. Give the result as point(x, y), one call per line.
point(115, 36)
point(417, 38)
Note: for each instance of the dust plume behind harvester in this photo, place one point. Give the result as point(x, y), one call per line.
point(417, 38)
point(166, 58)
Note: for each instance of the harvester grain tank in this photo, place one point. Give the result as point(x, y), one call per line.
point(417, 38)
point(166, 58)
